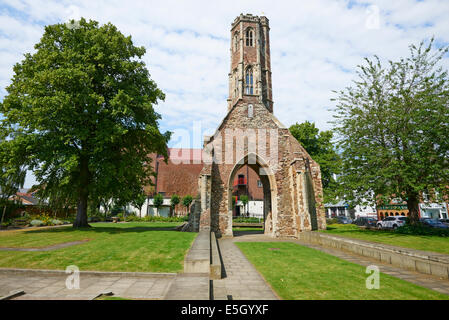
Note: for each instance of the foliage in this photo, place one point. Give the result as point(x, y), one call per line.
point(158, 200)
point(187, 200)
point(174, 200)
point(393, 128)
point(156, 219)
point(244, 199)
point(37, 223)
point(80, 110)
point(320, 147)
point(12, 176)
point(139, 201)
point(331, 221)
point(247, 220)
point(423, 230)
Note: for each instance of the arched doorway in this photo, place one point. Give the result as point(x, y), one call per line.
point(267, 181)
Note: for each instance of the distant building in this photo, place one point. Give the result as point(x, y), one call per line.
point(342, 209)
point(180, 176)
point(25, 197)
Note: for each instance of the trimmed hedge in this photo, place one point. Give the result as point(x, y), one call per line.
point(331, 221)
point(422, 230)
point(247, 220)
point(156, 219)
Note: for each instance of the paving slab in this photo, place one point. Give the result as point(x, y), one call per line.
point(189, 286)
point(52, 286)
point(239, 276)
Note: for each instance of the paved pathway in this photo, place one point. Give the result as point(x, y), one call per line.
point(189, 286)
point(53, 287)
point(429, 281)
point(241, 281)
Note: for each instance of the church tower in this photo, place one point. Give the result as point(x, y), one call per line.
point(250, 75)
point(250, 135)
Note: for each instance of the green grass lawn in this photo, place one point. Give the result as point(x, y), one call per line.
point(296, 272)
point(426, 243)
point(134, 246)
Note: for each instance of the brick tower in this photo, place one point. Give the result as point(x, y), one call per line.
point(250, 75)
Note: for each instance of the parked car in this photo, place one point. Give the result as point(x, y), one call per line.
point(391, 222)
point(433, 223)
point(445, 221)
point(344, 220)
point(365, 221)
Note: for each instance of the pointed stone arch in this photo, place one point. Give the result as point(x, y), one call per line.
point(268, 180)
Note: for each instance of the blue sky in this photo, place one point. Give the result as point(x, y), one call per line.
point(315, 47)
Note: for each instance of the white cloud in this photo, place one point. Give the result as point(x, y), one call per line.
point(315, 46)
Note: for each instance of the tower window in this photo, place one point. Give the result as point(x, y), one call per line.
point(250, 111)
point(249, 84)
point(236, 87)
point(236, 42)
point(249, 37)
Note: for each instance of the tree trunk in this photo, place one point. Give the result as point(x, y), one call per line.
point(83, 195)
point(3, 216)
point(413, 207)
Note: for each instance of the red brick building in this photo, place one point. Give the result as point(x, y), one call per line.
point(180, 176)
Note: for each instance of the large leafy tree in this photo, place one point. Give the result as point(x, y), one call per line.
point(321, 148)
point(393, 126)
point(81, 109)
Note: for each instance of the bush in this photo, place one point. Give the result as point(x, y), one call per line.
point(5, 224)
point(331, 221)
point(134, 218)
point(37, 223)
point(422, 230)
point(56, 222)
point(164, 219)
point(247, 220)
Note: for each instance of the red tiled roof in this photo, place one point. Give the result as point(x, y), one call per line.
point(180, 175)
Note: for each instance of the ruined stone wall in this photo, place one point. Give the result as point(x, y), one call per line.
point(289, 213)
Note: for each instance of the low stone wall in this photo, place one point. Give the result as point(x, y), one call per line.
point(420, 261)
point(215, 262)
point(198, 257)
point(203, 257)
point(44, 272)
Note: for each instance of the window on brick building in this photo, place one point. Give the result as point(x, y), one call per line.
point(249, 85)
point(259, 183)
point(249, 37)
